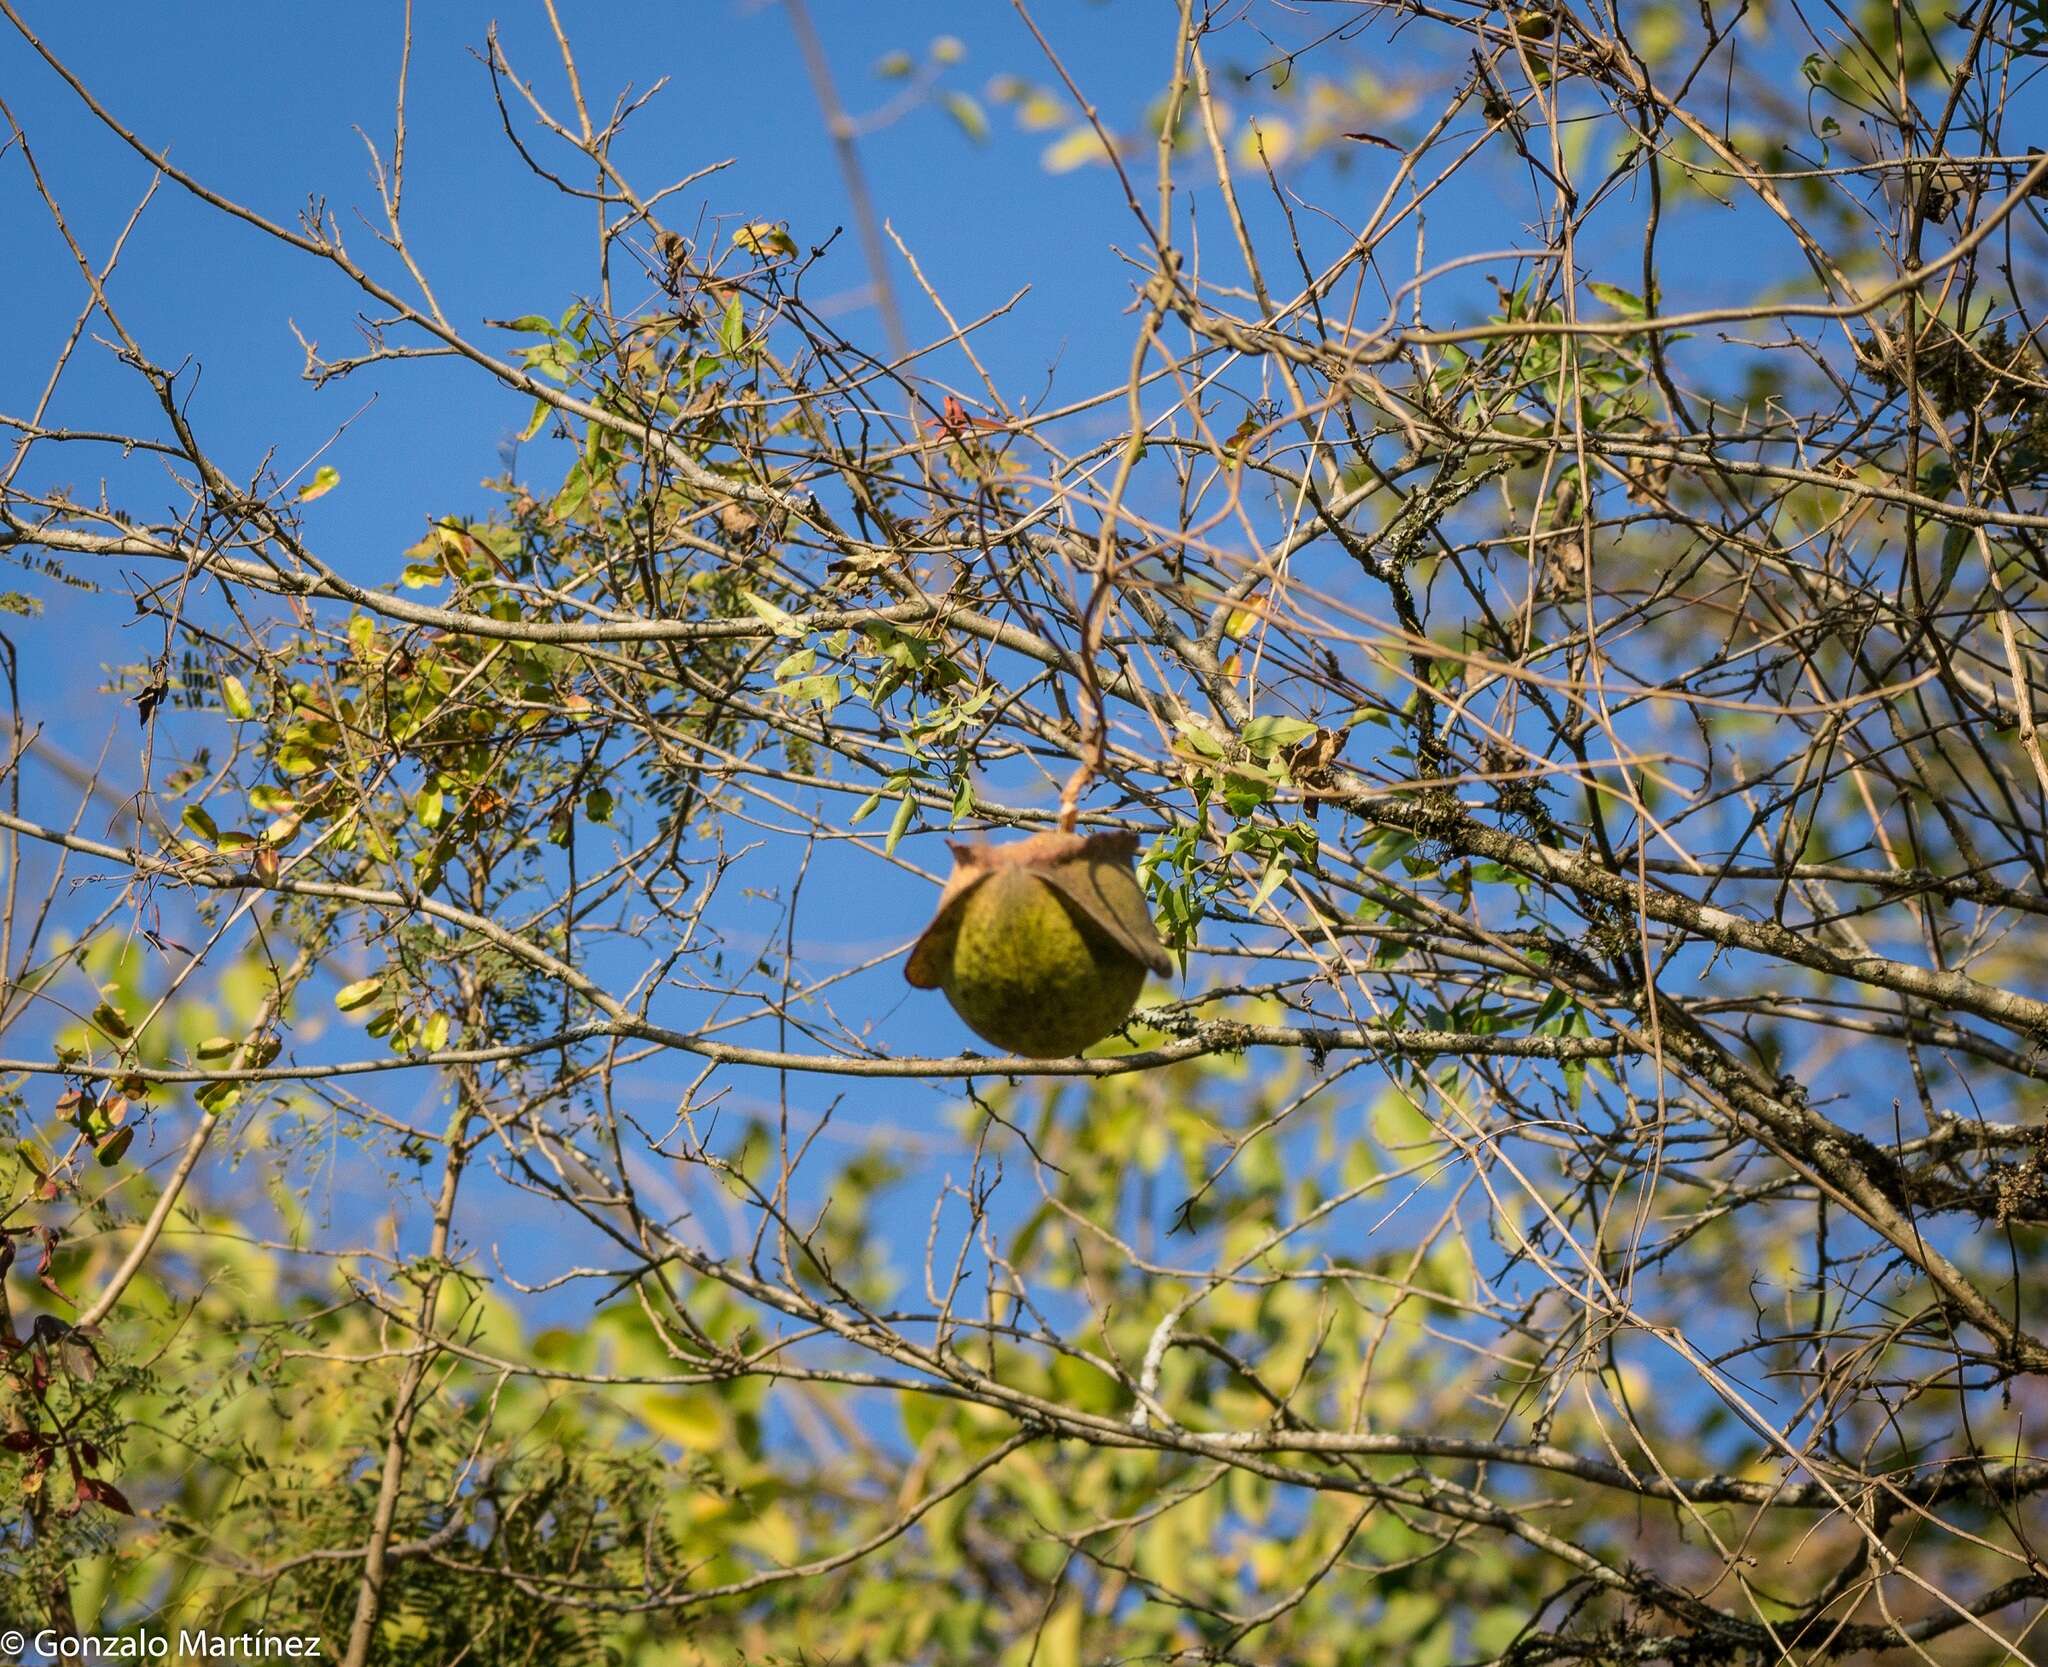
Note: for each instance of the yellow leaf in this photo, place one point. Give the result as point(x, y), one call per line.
point(1266, 141)
point(764, 238)
point(692, 1419)
point(325, 479)
point(1075, 149)
point(1056, 1644)
point(784, 624)
point(773, 1534)
point(1039, 111)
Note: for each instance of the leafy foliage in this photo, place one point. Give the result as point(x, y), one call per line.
point(478, 1187)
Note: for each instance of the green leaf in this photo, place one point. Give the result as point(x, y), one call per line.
point(218, 1097)
point(1629, 306)
point(196, 818)
point(1199, 738)
point(575, 492)
point(1266, 736)
point(117, 1143)
point(822, 690)
point(113, 1021)
point(1955, 544)
point(1270, 882)
point(732, 328)
point(906, 807)
point(235, 697)
point(599, 804)
point(325, 479)
point(1243, 792)
point(359, 994)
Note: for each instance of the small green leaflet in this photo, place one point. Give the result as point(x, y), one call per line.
point(1629, 306)
point(359, 994)
point(785, 625)
point(906, 807)
point(1266, 736)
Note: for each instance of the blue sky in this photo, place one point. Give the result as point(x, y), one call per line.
point(280, 91)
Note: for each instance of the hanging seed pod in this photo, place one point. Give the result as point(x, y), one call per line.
point(1042, 946)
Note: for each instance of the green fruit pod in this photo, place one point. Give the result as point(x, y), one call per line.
point(1041, 946)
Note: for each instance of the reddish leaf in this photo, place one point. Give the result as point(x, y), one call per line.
point(103, 1493)
point(46, 1261)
